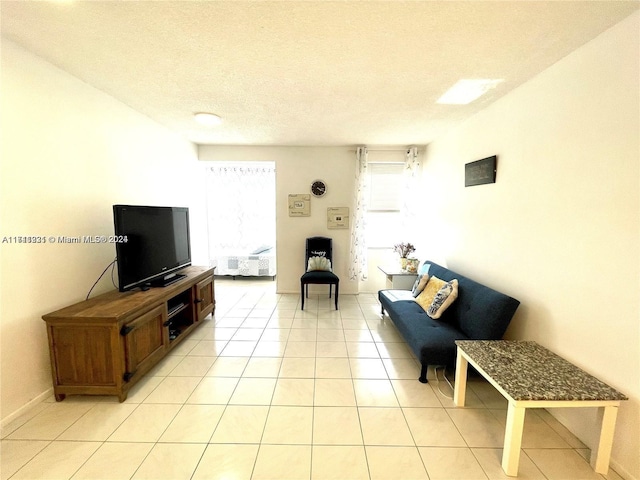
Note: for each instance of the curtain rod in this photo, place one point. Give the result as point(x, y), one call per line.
point(386, 149)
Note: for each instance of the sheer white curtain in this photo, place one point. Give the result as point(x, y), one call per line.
point(241, 206)
point(358, 265)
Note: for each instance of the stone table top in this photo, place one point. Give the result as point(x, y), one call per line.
point(528, 371)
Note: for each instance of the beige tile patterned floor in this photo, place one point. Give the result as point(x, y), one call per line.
point(267, 391)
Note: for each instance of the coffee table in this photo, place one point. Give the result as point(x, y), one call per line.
point(530, 376)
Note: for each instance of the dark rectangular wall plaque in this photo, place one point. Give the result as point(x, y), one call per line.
point(480, 172)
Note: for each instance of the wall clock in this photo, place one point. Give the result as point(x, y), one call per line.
point(318, 188)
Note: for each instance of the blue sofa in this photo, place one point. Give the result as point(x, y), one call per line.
point(479, 313)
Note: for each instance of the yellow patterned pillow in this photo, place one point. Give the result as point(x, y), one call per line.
point(437, 296)
point(425, 299)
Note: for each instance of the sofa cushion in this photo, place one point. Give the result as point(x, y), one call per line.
point(319, 277)
point(432, 341)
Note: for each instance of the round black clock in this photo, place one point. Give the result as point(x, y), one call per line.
point(318, 188)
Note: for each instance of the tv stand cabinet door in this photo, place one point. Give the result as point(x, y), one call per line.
point(204, 300)
point(145, 341)
point(82, 356)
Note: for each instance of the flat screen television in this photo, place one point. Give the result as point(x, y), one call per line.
point(155, 245)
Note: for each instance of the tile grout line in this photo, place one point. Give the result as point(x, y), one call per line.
point(378, 345)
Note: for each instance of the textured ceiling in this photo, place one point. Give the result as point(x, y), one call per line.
point(309, 72)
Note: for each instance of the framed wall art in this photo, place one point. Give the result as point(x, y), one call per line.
point(299, 204)
point(338, 217)
point(480, 172)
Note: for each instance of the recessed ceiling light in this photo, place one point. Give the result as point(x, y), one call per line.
point(207, 119)
point(467, 90)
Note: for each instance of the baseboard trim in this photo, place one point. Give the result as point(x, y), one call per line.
point(620, 470)
point(26, 408)
point(613, 464)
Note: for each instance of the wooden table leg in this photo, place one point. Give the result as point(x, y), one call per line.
point(601, 456)
point(513, 439)
point(460, 386)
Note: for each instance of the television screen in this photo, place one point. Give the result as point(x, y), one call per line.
point(157, 244)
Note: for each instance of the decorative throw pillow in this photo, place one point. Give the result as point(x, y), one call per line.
point(421, 282)
point(422, 273)
point(445, 297)
point(425, 298)
point(319, 263)
point(424, 269)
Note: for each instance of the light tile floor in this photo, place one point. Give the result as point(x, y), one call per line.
point(267, 391)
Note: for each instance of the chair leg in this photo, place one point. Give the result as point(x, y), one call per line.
point(302, 294)
point(330, 287)
point(337, 285)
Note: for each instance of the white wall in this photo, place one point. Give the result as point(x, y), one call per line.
point(560, 230)
point(296, 168)
point(69, 152)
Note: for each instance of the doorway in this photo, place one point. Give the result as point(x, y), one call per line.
point(241, 216)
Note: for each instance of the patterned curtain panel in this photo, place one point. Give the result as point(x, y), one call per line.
point(358, 265)
point(241, 206)
point(410, 192)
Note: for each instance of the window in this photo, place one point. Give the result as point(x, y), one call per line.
point(241, 206)
point(384, 218)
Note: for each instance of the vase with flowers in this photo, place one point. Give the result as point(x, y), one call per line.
point(404, 250)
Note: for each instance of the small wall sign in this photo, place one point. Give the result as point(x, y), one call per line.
point(299, 205)
point(338, 217)
point(480, 172)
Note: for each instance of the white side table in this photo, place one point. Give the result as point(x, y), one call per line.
point(398, 279)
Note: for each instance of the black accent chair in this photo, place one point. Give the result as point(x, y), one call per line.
point(318, 247)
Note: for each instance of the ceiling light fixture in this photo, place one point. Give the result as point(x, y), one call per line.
point(467, 90)
point(207, 119)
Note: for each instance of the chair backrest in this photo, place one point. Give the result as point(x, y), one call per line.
point(318, 247)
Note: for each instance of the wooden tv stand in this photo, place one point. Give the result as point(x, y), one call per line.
point(104, 345)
